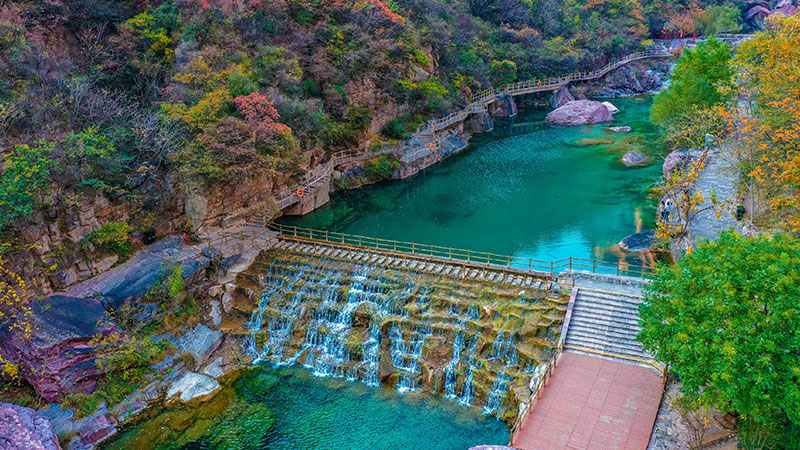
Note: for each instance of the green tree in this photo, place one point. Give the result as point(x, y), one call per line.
point(717, 19)
point(727, 321)
point(703, 78)
point(27, 173)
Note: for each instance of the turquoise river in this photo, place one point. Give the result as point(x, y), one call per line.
point(528, 189)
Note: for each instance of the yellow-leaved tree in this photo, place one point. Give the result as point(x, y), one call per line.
point(15, 311)
point(769, 67)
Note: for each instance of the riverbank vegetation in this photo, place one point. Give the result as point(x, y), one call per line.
point(725, 319)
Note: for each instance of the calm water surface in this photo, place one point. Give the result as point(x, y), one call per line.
point(289, 409)
point(529, 190)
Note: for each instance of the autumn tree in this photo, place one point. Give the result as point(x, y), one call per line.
point(727, 321)
point(15, 310)
point(768, 65)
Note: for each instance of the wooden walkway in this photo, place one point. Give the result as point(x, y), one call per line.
point(592, 403)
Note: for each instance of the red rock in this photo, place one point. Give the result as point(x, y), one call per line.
point(60, 356)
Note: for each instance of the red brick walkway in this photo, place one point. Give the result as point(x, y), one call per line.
point(593, 403)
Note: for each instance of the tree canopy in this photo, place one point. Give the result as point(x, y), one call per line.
point(726, 319)
point(770, 63)
point(702, 78)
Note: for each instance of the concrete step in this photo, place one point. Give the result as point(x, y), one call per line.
point(605, 338)
point(583, 317)
point(607, 347)
point(603, 331)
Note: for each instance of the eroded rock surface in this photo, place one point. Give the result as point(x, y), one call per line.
point(580, 112)
point(23, 429)
point(193, 386)
point(61, 355)
point(634, 158)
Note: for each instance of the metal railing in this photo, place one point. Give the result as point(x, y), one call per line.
point(451, 254)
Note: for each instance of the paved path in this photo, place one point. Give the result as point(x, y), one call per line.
point(721, 175)
point(593, 403)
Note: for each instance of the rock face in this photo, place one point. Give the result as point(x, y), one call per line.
point(560, 98)
point(503, 106)
point(633, 158)
point(193, 385)
point(634, 78)
point(22, 429)
point(61, 354)
point(580, 112)
point(200, 342)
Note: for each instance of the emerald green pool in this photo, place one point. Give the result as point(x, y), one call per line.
point(289, 409)
point(529, 189)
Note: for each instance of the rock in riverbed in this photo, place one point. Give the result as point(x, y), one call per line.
point(633, 158)
point(560, 98)
point(638, 241)
point(61, 355)
point(580, 112)
point(620, 129)
point(23, 429)
point(193, 385)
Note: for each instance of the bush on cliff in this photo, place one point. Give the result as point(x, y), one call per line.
point(112, 237)
point(26, 175)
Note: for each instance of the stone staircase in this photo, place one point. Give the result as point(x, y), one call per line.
point(608, 323)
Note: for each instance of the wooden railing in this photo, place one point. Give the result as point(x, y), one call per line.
point(323, 173)
point(467, 256)
point(481, 99)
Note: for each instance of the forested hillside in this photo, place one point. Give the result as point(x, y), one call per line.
point(136, 102)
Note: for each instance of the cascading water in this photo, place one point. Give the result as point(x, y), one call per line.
point(347, 320)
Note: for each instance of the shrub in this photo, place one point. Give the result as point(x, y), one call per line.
point(379, 169)
point(112, 237)
point(395, 130)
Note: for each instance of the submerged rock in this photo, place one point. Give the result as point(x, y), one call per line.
point(620, 129)
point(193, 386)
point(580, 112)
point(61, 354)
point(638, 241)
point(633, 158)
point(23, 429)
point(589, 142)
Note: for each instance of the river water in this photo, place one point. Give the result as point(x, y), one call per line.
point(529, 190)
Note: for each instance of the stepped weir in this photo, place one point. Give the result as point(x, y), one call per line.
point(481, 329)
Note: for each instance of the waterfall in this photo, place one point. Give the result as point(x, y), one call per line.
point(407, 355)
point(452, 366)
point(329, 316)
point(468, 390)
point(371, 352)
point(506, 351)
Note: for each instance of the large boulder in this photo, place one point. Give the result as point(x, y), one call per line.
point(560, 98)
point(674, 160)
point(60, 355)
point(200, 342)
point(23, 429)
point(193, 386)
point(580, 112)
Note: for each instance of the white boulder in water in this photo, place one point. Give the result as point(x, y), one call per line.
point(611, 108)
